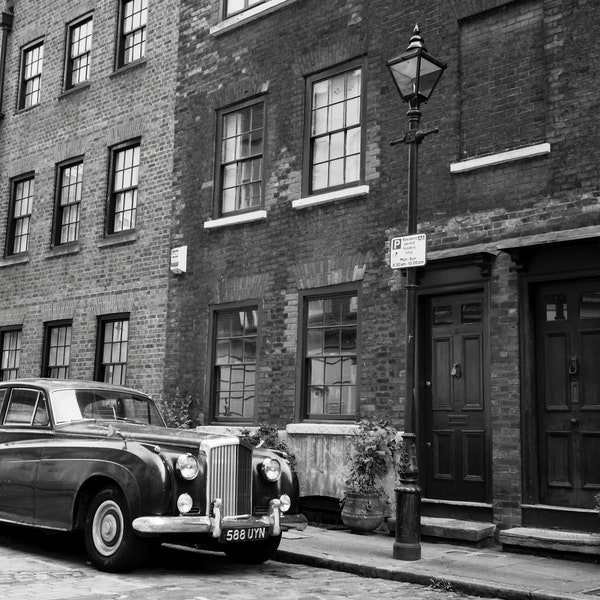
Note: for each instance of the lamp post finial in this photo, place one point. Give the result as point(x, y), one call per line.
point(416, 41)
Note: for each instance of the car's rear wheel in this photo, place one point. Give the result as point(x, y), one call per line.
point(110, 541)
point(252, 553)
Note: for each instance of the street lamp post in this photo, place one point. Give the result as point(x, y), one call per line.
point(415, 74)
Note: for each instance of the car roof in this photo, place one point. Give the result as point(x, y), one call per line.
point(68, 384)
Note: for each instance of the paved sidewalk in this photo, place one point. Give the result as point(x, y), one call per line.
point(474, 571)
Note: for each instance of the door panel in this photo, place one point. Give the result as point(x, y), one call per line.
point(568, 402)
point(455, 455)
point(472, 382)
point(440, 373)
point(474, 455)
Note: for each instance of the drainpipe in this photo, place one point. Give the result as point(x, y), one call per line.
point(6, 20)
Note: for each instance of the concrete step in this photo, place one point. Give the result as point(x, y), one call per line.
point(455, 529)
point(551, 539)
point(470, 532)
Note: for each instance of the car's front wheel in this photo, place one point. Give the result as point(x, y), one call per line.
point(252, 553)
point(110, 541)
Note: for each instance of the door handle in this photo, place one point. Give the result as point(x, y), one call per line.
point(456, 371)
point(573, 366)
point(574, 422)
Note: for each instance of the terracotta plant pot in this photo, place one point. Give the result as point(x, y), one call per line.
point(362, 513)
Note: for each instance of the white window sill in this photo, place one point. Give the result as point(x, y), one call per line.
point(500, 158)
point(353, 192)
point(320, 428)
point(249, 15)
point(256, 215)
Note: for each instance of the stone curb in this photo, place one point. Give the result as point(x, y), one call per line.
point(470, 587)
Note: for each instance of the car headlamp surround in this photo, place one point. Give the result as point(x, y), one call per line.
point(286, 503)
point(188, 466)
point(271, 469)
point(185, 503)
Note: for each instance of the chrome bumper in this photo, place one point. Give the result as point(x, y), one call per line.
point(275, 520)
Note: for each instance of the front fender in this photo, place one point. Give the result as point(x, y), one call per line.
point(264, 491)
point(70, 468)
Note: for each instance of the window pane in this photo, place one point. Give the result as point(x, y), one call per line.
point(442, 315)
point(336, 145)
point(471, 312)
point(336, 111)
point(115, 337)
point(320, 176)
point(352, 168)
point(32, 76)
point(241, 158)
point(70, 193)
point(10, 354)
point(79, 54)
point(235, 364)
point(590, 305)
point(331, 355)
point(58, 352)
point(21, 407)
point(133, 43)
point(22, 207)
point(336, 117)
point(125, 193)
point(336, 172)
point(319, 121)
point(556, 308)
point(314, 342)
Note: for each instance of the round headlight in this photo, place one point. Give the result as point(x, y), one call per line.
point(271, 469)
point(188, 466)
point(184, 503)
point(286, 502)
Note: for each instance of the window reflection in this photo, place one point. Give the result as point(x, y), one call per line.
point(235, 363)
point(442, 315)
point(331, 355)
point(556, 308)
point(471, 312)
point(589, 305)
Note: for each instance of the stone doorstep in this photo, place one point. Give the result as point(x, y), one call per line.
point(551, 539)
point(453, 529)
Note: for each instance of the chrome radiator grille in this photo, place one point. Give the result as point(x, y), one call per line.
point(230, 478)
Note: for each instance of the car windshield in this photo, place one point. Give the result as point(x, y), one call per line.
point(74, 405)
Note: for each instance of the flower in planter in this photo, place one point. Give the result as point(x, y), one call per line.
point(370, 455)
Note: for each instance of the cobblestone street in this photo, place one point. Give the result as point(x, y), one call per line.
point(53, 567)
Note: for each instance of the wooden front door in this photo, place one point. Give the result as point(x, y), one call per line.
point(455, 456)
point(568, 392)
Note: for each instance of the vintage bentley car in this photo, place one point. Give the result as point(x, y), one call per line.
point(98, 458)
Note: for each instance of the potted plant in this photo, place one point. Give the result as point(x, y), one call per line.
point(370, 454)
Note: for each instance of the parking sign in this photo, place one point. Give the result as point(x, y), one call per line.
point(408, 251)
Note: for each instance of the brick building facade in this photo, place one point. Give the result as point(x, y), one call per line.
point(289, 193)
point(86, 143)
point(256, 135)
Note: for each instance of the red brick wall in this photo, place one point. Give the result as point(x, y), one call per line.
point(115, 107)
point(515, 78)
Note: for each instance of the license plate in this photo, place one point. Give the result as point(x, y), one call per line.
point(250, 534)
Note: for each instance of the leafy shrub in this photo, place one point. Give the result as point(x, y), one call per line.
point(176, 409)
point(267, 436)
point(371, 452)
